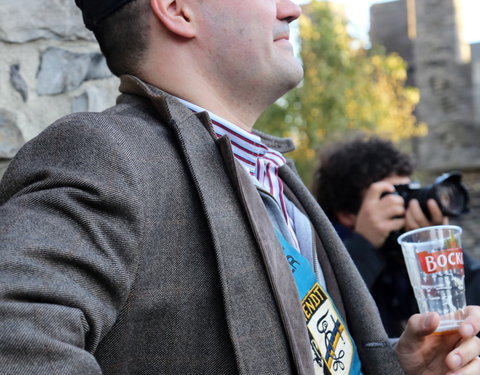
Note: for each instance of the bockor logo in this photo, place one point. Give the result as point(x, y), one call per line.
point(440, 261)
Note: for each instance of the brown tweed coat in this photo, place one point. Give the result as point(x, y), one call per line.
point(131, 243)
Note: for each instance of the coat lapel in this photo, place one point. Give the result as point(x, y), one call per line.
point(251, 310)
point(277, 268)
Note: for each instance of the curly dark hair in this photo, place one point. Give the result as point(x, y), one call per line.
point(349, 168)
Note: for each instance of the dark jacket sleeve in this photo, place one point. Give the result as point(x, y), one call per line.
point(70, 222)
point(472, 279)
point(366, 257)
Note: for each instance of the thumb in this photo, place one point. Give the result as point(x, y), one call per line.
point(418, 326)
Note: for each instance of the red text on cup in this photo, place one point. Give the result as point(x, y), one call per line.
point(439, 261)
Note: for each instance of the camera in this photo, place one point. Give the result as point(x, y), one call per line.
point(447, 190)
point(450, 195)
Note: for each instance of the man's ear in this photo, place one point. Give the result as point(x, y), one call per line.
point(347, 219)
point(175, 15)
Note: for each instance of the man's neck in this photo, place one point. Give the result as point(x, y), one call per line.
point(236, 114)
point(236, 109)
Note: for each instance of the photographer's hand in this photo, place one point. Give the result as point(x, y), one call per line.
point(379, 215)
point(415, 218)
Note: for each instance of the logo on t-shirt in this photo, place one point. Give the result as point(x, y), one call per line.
point(327, 334)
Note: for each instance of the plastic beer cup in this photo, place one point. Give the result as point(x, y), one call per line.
point(434, 260)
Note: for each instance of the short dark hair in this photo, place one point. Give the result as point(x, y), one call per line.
point(123, 37)
point(349, 168)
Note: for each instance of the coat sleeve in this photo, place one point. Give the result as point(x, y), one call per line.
point(70, 223)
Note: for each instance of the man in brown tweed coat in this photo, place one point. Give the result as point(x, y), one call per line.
point(133, 241)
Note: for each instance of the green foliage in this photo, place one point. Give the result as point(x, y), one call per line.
point(345, 89)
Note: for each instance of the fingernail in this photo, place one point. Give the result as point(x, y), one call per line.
point(456, 361)
point(427, 323)
point(468, 330)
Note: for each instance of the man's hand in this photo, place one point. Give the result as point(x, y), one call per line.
point(415, 218)
point(378, 216)
point(421, 353)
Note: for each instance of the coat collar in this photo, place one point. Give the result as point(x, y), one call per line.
point(169, 108)
point(167, 105)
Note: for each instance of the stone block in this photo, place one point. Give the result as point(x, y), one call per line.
point(450, 146)
point(3, 167)
point(475, 51)
point(26, 20)
point(94, 99)
point(10, 136)
point(62, 71)
point(80, 103)
point(17, 81)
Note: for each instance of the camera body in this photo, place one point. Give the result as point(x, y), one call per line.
point(449, 193)
point(447, 190)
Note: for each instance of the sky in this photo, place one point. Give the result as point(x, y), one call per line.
point(358, 13)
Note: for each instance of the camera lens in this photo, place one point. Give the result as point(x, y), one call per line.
point(447, 190)
point(451, 200)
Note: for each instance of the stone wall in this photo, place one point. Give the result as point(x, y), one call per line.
point(444, 77)
point(50, 65)
point(476, 81)
point(471, 221)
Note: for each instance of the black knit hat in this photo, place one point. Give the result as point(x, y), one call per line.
point(95, 11)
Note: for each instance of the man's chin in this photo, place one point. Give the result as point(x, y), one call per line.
point(286, 85)
point(294, 76)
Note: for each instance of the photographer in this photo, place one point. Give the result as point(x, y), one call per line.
point(354, 185)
